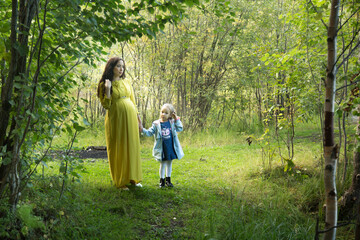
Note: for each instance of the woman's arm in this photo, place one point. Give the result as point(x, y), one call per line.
point(140, 123)
point(106, 98)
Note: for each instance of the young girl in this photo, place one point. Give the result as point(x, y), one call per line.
point(167, 146)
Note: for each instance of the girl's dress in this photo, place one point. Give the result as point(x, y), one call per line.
point(168, 143)
point(122, 133)
point(163, 134)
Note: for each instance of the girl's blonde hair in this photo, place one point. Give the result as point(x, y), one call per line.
point(170, 107)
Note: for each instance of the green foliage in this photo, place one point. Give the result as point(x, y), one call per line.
point(7, 223)
point(71, 168)
point(30, 222)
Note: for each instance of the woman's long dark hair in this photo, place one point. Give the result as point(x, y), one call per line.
point(109, 73)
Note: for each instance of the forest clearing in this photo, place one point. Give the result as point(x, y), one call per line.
point(255, 103)
point(223, 189)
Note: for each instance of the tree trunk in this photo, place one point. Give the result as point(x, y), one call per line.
point(348, 202)
point(10, 170)
point(7, 88)
point(259, 100)
point(330, 149)
point(6, 96)
point(357, 227)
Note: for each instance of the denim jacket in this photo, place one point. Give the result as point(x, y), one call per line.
point(155, 129)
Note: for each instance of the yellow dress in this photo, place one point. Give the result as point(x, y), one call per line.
point(122, 133)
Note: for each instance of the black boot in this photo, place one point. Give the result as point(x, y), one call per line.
point(162, 183)
point(168, 182)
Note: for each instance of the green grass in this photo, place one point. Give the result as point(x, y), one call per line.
point(223, 190)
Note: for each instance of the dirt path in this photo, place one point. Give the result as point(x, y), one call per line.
point(93, 152)
point(90, 152)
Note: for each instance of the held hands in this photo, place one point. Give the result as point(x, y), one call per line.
point(140, 124)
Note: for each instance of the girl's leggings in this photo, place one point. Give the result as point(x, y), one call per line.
point(165, 165)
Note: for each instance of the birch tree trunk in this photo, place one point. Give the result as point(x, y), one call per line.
point(330, 148)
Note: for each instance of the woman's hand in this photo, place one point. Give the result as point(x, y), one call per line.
point(107, 84)
point(140, 124)
point(108, 88)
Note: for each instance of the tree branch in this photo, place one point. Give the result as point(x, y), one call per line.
point(35, 79)
point(349, 53)
point(337, 226)
point(77, 63)
point(343, 52)
point(348, 19)
point(318, 12)
point(352, 83)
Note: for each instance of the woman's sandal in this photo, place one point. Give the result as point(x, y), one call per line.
point(135, 184)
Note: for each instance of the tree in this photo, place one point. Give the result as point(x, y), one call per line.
point(330, 148)
point(188, 63)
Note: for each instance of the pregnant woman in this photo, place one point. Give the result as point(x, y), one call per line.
point(121, 125)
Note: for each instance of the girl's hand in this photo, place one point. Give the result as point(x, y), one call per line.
point(174, 116)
